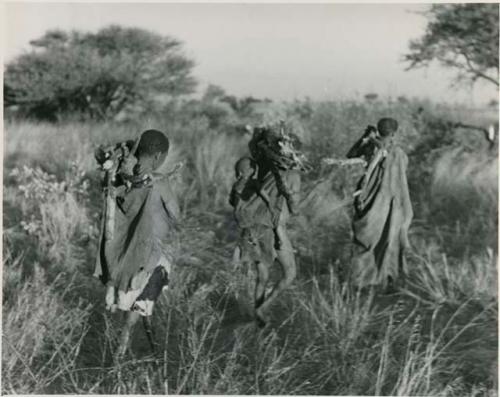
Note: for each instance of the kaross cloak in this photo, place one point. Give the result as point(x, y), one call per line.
point(144, 230)
point(382, 217)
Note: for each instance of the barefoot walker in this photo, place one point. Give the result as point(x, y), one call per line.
point(262, 205)
point(382, 208)
point(134, 257)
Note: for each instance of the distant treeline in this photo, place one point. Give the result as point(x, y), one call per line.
point(120, 71)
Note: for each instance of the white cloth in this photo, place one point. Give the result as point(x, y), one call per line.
point(127, 300)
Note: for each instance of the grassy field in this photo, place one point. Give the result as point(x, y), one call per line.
point(438, 336)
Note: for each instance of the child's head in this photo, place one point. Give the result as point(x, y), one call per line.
point(387, 127)
point(245, 168)
point(152, 147)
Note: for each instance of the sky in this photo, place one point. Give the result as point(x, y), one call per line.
point(278, 51)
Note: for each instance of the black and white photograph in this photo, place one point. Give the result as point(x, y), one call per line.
point(259, 198)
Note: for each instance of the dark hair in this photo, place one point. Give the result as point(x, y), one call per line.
point(241, 162)
point(387, 126)
point(152, 142)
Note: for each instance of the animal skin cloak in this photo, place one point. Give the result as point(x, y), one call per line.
point(254, 218)
point(383, 213)
point(144, 225)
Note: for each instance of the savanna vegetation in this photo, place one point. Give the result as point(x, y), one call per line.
point(436, 336)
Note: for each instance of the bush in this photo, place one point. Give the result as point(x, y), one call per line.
point(55, 213)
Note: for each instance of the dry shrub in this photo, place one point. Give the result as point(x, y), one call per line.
point(55, 212)
point(462, 174)
point(464, 197)
point(213, 158)
point(440, 282)
point(322, 232)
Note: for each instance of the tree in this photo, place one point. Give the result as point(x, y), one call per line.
point(461, 36)
point(213, 92)
point(96, 75)
point(212, 107)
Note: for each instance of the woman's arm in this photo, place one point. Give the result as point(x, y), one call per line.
point(360, 147)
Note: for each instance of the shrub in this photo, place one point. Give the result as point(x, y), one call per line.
point(54, 212)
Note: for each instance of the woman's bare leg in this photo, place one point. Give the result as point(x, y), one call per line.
point(132, 318)
point(286, 259)
point(261, 283)
point(146, 322)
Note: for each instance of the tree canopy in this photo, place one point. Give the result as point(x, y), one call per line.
point(96, 75)
point(460, 36)
point(221, 109)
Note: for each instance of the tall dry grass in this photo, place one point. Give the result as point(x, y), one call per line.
point(436, 337)
point(41, 338)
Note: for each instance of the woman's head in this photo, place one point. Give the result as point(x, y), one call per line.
point(387, 127)
point(152, 147)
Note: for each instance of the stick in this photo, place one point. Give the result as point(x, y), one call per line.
point(343, 162)
point(177, 167)
point(109, 210)
point(110, 203)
